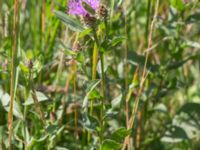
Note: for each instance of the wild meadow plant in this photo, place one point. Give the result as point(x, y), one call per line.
point(99, 75)
point(92, 8)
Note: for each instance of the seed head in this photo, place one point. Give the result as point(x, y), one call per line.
point(102, 11)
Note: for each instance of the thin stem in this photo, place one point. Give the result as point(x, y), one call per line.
point(12, 82)
point(144, 76)
point(125, 64)
point(75, 102)
point(94, 68)
point(106, 27)
point(25, 106)
point(126, 70)
point(42, 29)
point(35, 99)
point(147, 21)
point(43, 15)
point(102, 87)
point(103, 99)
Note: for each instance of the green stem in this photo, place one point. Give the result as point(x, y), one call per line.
point(38, 107)
point(104, 95)
point(126, 67)
point(147, 21)
point(13, 67)
point(106, 27)
point(102, 87)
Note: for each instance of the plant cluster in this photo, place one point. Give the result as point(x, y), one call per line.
point(99, 75)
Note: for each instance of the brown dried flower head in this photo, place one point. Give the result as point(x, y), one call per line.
point(102, 11)
point(89, 20)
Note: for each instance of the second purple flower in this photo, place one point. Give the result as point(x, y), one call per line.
point(76, 7)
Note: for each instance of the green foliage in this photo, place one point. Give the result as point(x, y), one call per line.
point(130, 79)
point(73, 24)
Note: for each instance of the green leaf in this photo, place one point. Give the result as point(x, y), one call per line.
point(5, 100)
point(72, 23)
point(174, 135)
point(85, 33)
point(67, 50)
point(24, 68)
point(192, 44)
point(117, 40)
point(51, 129)
point(190, 108)
point(194, 18)
point(178, 4)
point(120, 134)
point(110, 145)
point(91, 86)
point(110, 113)
point(35, 143)
point(160, 108)
point(40, 96)
point(90, 123)
point(116, 102)
point(61, 148)
point(37, 67)
point(188, 118)
point(88, 8)
point(94, 95)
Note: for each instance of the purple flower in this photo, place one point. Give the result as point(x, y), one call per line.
point(93, 3)
point(76, 7)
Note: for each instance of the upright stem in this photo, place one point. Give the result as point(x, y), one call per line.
point(147, 21)
point(38, 107)
point(126, 70)
point(144, 76)
point(94, 68)
point(141, 112)
point(103, 94)
point(1, 22)
point(147, 36)
point(43, 15)
point(125, 63)
point(102, 87)
point(75, 102)
point(12, 82)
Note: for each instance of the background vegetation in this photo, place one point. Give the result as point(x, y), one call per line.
point(54, 94)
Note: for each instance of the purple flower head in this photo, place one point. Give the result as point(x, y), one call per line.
point(93, 3)
point(76, 7)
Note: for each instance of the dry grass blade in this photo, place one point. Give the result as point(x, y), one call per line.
point(43, 15)
point(144, 76)
point(14, 49)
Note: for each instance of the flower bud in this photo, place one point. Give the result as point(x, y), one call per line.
point(89, 20)
point(30, 64)
point(102, 11)
point(77, 47)
point(53, 117)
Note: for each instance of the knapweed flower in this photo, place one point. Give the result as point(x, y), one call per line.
point(76, 7)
